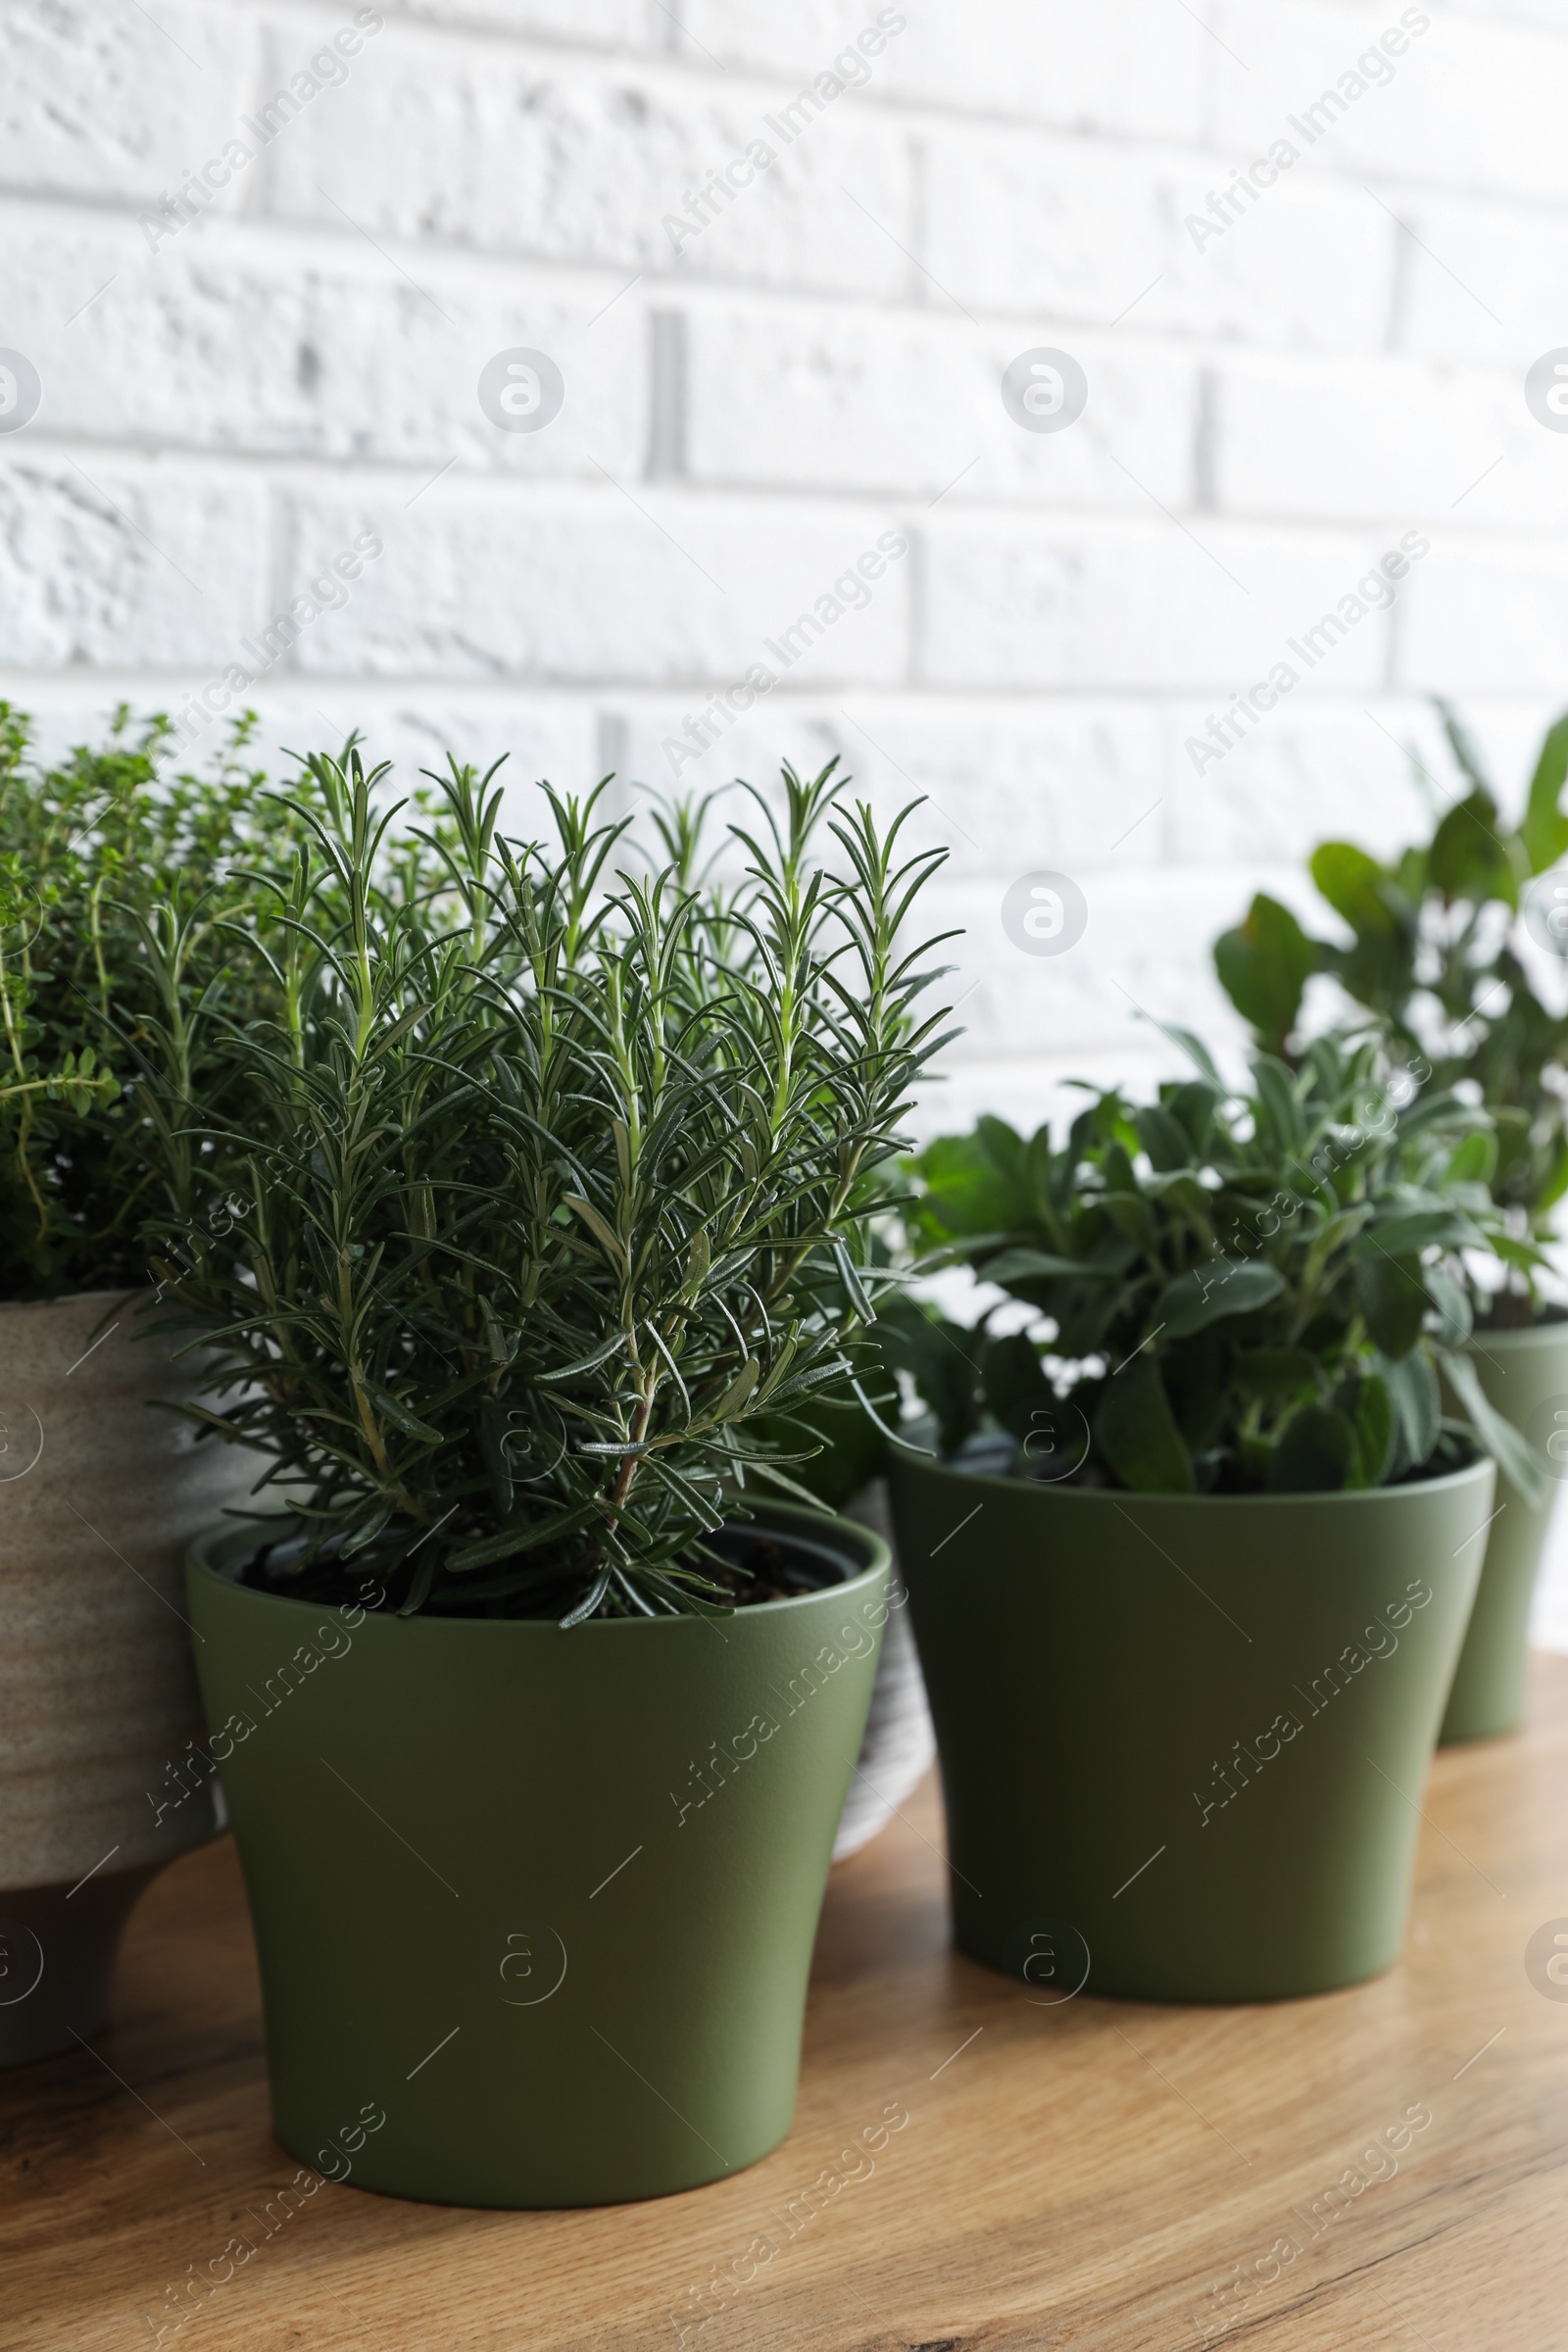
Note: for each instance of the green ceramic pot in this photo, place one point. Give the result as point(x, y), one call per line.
point(544, 1902)
point(1184, 1738)
point(1525, 1375)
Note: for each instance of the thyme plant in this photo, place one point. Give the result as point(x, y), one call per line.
point(93, 848)
point(1239, 1293)
point(557, 1176)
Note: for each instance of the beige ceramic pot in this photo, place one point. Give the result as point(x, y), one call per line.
point(899, 1744)
point(99, 1494)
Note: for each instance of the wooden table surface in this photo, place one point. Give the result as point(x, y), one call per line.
point(1081, 2174)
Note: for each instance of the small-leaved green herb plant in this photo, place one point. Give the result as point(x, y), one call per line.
point(94, 849)
point(1433, 957)
point(1243, 1294)
point(557, 1176)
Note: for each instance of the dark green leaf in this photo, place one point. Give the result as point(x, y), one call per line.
point(1355, 885)
point(1275, 1371)
point(1117, 1163)
point(1222, 1286)
point(1315, 1453)
point(942, 1359)
point(1195, 1382)
point(1133, 1217)
point(1364, 1400)
point(1011, 1267)
point(1453, 1306)
point(1014, 1382)
point(1393, 1300)
point(1468, 858)
point(1284, 1124)
point(1263, 966)
point(1412, 1386)
point(968, 1191)
point(1543, 833)
point(1136, 1431)
point(1475, 1158)
point(400, 1416)
point(1514, 1456)
point(1163, 1136)
point(1195, 1104)
point(1404, 1233)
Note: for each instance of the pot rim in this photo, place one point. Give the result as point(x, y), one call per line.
point(29, 1307)
point(862, 1582)
point(1548, 1327)
point(1121, 1497)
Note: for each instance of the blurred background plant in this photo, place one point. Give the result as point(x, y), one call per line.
point(556, 1181)
point(1434, 957)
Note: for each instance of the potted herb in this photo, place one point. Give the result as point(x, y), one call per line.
point(536, 1706)
point(1434, 953)
point(100, 1716)
point(1193, 1561)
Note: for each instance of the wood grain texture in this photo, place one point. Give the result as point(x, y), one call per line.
point(1081, 2176)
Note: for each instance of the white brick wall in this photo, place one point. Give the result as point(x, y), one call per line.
point(1270, 406)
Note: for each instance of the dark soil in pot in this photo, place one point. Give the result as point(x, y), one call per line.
point(747, 1563)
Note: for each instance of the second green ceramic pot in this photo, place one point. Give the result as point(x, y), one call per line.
point(535, 1909)
point(1524, 1374)
point(1184, 1738)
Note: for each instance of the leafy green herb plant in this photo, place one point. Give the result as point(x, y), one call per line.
point(1431, 957)
point(1239, 1293)
point(558, 1170)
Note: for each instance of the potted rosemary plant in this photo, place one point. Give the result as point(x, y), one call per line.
point(99, 1713)
point(1436, 953)
point(1193, 1559)
point(542, 1686)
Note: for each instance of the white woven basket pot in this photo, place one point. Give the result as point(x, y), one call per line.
point(899, 1745)
point(100, 1720)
